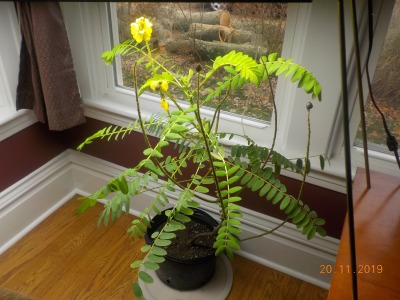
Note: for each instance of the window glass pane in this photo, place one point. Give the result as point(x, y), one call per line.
point(385, 88)
point(190, 34)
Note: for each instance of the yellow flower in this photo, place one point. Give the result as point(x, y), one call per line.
point(156, 85)
point(141, 29)
point(164, 104)
point(164, 85)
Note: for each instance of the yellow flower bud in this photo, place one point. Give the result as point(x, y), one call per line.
point(164, 104)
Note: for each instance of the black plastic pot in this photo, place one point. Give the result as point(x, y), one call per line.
point(184, 274)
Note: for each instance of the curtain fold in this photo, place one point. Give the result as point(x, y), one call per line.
point(47, 81)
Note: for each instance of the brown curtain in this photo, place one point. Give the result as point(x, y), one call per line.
point(47, 81)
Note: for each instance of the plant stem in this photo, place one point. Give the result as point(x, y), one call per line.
point(205, 138)
point(307, 154)
point(275, 116)
point(139, 110)
point(145, 136)
point(266, 232)
point(203, 234)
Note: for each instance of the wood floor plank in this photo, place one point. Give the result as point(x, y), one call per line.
point(68, 257)
point(377, 239)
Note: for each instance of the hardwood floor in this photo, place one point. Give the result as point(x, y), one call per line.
point(377, 239)
point(68, 257)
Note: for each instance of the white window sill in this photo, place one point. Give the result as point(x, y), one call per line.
point(12, 121)
point(378, 161)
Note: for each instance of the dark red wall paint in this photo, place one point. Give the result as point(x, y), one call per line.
point(27, 150)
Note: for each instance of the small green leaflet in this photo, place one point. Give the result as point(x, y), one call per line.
point(145, 277)
point(137, 290)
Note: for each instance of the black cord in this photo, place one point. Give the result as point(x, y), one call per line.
point(391, 141)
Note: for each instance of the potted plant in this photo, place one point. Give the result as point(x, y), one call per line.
point(200, 164)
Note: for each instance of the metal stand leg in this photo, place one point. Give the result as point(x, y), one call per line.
point(347, 145)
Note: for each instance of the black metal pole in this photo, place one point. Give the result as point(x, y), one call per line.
point(346, 134)
point(360, 92)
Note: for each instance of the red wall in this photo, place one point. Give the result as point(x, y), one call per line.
point(27, 150)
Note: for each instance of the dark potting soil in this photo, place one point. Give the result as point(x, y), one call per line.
point(199, 248)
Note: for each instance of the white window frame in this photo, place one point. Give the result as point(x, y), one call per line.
point(11, 120)
point(379, 161)
point(89, 34)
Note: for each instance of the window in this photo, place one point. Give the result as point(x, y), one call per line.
point(9, 55)
point(11, 121)
point(385, 89)
point(119, 94)
point(380, 159)
point(311, 39)
point(189, 34)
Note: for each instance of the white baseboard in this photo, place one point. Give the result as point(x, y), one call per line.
point(32, 199)
point(28, 202)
